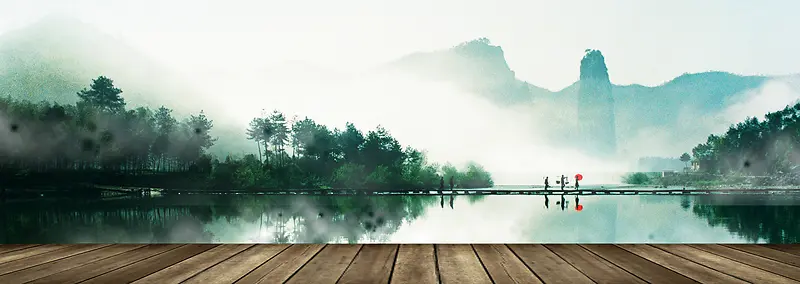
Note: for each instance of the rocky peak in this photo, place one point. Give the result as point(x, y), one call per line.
point(593, 66)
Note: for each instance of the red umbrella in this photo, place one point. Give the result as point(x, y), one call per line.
point(579, 177)
point(579, 207)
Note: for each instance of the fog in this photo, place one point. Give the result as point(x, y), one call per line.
point(693, 126)
point(449, 123)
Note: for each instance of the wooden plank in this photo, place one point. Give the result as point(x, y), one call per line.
point(767, 252)
point(284, 265)
point(753, 260)
point(678, 264)
point(239, 265)
point(547, 265)
point(596, 268)
point(415, 263)
point(327, 266)
point(65, 264)
point(793, 248)
point(140, 269)
point(641, 267)
point(31, 261)
point(724, 265)
point(28, 252)
point(84, 272)
point(460, 264)
point(186, 269)
point(15, 247)
point(373, 264)
point(503, 266)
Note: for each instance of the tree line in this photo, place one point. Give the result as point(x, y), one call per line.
point(98, 134)
point(766, 148)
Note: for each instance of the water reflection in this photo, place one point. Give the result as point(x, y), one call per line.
point(406, 219)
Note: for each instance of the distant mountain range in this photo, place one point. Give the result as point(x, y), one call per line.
point(683, 110)
point(56, 57)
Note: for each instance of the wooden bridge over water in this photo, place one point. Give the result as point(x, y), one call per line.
point(617, 190)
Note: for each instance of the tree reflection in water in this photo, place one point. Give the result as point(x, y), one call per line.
point(774, 219)
point(319, 219)
point(185, 219)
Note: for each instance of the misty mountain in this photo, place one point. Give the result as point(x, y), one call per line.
point(481, 67)
point(57, 56)
point(478, 66)
point(54, 58)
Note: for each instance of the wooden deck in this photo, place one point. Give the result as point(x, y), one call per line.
point(391, 263)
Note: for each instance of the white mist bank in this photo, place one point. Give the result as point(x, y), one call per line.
point(449, 124)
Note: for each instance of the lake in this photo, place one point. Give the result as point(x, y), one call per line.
point(406, 219)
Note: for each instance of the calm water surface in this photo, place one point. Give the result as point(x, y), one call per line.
point(406, 219)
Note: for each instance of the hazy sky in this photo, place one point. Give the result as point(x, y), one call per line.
point(645, 41)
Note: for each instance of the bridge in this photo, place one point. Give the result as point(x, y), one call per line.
point(620, 190)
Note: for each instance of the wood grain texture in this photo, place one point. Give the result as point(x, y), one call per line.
point(373, 264)
point(186, 269)
point(31, 261)
point(770, 253)
point(641, 267)
point(327, 266)
point(786, 270)
point(458, 264)
point(64, 264)
point(596, 268)
point(547, 265)
point(678, 264)
point(140, 269)
point(503, 266)
point(93, 269)
point(724, 265)
point(236, 267)
point(284, 265)
point(392, 263)
point(30, 251)
point(16, 247)
point(415, 263)
point(793, 249)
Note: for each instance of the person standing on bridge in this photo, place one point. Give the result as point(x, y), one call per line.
point(576, 184)
point(441, 184)
point(546, 183)
point(563, 182)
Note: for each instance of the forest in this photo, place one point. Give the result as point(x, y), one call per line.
point(98, 140)
point(753, 152)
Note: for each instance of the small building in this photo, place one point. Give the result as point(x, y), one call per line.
point(695, 166)
point(668, 173)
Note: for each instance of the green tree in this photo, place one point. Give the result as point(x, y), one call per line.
point(102, 95)
point(260, 130)
point(685, 158)
point(280, 135)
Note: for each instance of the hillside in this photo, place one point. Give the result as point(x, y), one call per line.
point(57, 56)
point(640, 111)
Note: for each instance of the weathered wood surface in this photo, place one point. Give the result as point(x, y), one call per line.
point(393, 263)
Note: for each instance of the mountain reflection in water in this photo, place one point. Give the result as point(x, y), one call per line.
point(406, 219)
